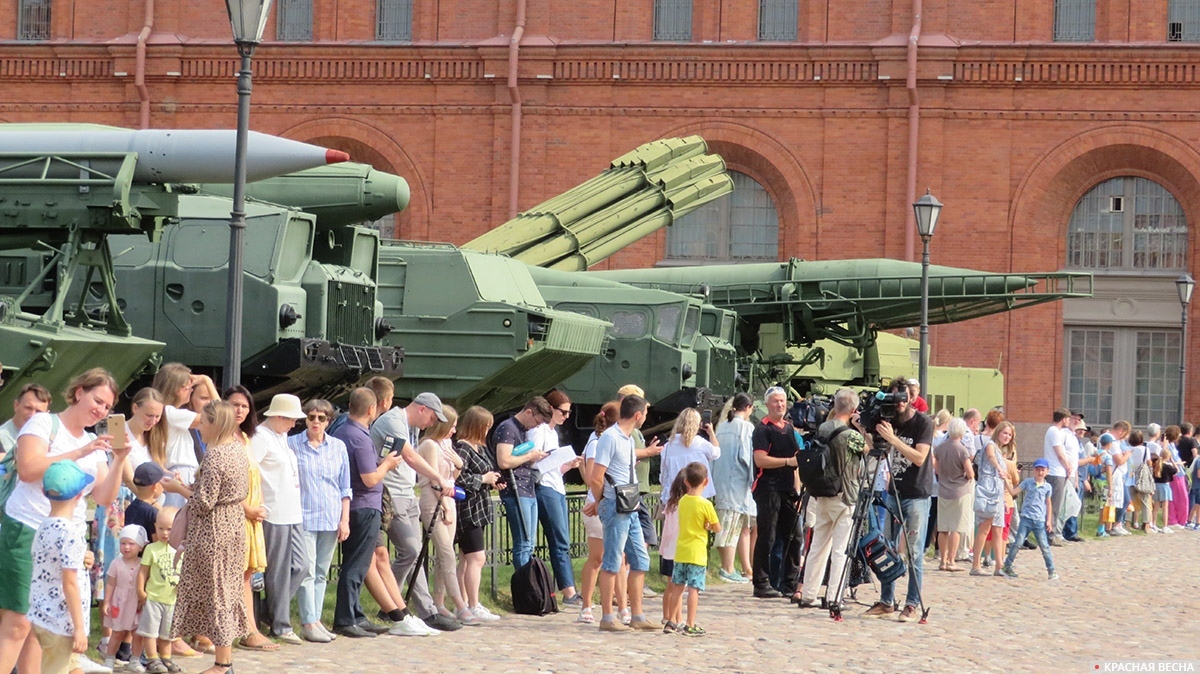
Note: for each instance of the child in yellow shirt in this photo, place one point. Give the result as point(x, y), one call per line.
point(697, 517)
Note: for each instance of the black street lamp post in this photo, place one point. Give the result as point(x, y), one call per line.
point(248, 19)
point(927, 209)
point(1184, 284)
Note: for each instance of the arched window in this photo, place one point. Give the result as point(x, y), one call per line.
point(1127, 223)
point(739, 226)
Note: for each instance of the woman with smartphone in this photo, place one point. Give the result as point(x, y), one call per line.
point(687, 445)
point(43, 440)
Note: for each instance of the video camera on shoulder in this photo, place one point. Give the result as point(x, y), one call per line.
point(880, 406)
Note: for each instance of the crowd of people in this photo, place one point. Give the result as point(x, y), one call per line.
point(198, 495)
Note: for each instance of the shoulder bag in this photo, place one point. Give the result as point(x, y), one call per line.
point(628, 496)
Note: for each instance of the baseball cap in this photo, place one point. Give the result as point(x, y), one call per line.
point(64, 480)
point(135, 533)
point(1107, 439)
point(1041, 463)
point(147, 474)
point(631, 390)
point(433, 402)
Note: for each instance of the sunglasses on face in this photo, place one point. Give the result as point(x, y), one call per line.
point(317, 417)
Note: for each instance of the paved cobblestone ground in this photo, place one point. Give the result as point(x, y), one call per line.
point(1118, 599)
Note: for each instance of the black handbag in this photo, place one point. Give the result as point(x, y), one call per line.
point(628, 496)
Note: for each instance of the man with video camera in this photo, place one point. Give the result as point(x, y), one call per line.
point(909, 438)
point(833, 515)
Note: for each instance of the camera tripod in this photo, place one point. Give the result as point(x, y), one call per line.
point(860, 527)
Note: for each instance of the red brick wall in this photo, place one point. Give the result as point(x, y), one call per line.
point(1012, 131)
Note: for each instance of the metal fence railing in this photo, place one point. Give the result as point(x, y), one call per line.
point(498, 538)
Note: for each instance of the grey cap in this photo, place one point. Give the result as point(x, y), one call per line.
point(433, 402)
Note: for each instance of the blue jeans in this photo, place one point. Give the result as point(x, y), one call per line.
point(916, 523)
point(522, 537)
point(622, 534)
point(1038, 529)
point(552, 513)
point(310, 597)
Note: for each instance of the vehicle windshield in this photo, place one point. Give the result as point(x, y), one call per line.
point(668, 323)
point(691, 324)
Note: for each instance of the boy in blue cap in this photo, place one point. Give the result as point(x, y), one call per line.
point(1035, 518)
point(60, 594)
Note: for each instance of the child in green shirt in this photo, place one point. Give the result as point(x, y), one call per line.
point(156, 592)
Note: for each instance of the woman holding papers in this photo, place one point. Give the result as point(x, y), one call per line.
point(552, 494)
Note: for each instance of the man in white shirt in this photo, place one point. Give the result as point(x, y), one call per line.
point(283, 529)
point(1054, 450)
point(31, 399)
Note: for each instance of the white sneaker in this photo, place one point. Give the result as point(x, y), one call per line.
point(1168, 530)
point(411, 627)
point(1153, 529)
point(1120, 531)
point(483, 614)
point(90, 667)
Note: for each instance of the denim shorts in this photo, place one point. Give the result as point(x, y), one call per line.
point(622, 534)
point(689, 575)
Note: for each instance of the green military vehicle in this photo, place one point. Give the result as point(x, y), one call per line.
point(57, 214)
point(476, 328)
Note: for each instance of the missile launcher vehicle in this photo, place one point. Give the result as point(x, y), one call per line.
point(109, 261)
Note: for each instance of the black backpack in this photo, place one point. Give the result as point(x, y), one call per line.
point(815, 464)
point(533, 589)
point(532, 586)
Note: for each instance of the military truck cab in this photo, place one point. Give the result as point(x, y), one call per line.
point(310, 319)
point(475, 327)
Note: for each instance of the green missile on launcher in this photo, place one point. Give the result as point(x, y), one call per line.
point(338, 194)
point(847, 300)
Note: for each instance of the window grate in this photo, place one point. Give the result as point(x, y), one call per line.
point(743, 225)
point(1156, 378)
point(1090, 374)
point(295, 21)
point(1074, 20)
point(393, 20)
point(1127, 223)
point(673, 20)
point(1183, 21)
point(777, 20)
point(33, 19)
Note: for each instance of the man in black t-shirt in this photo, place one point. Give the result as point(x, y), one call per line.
point(520, 501)
point(775, 485)
point(1187, 444)
point(910, 439)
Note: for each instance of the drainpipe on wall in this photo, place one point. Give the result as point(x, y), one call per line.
point(914, 121)
point(139, 76)
point(514, 168)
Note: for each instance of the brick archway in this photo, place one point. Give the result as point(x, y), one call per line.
point(772, 164)
point(1046, 196)
point(370, 145)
